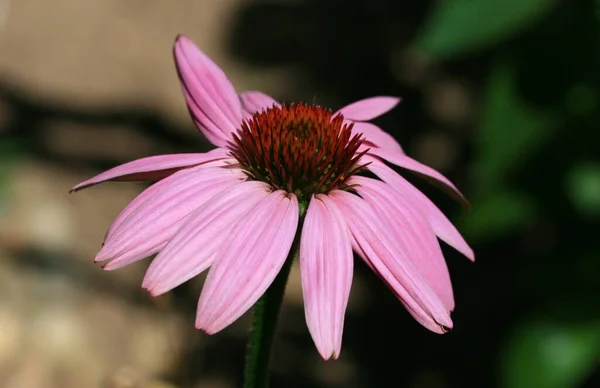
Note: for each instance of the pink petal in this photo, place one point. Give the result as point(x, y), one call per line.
point(193, 248)
point(440, 224)
point(326, 267)
point(248, 262)
point(408, 163)
point(135, 254)
point(155, 219)
point(414, 313)
point(165, 194)
point(369, 108)
point(155, 167)
point(210, 96)
point(254, 101)
point(383, 254)
point(152, 190)
point(409, 227)
point(376, 136)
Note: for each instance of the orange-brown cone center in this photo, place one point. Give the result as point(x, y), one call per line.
point(298, 148)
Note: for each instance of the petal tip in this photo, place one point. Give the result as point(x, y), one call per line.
point(446, 325)
point(101, 256)
point(471, 256)
point(111, 265)
point(445, 329)
point(328, 355)
point(202, 326)
point(105, 266)
point(183, 46)
point(394, 100)
point(78, 187)
point(147, 283)
point(369, 108)
point(182, 39)
point(153, 292)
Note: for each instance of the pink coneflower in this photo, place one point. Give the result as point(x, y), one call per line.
point(237, 208)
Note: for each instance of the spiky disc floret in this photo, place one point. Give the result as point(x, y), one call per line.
point(298, 148)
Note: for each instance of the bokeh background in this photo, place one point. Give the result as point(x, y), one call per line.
point(501, 96)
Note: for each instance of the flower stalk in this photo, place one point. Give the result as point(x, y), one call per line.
point(264, 320)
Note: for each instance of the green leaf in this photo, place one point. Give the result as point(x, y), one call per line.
point(460, 26)
point(583, 188)
point(551, 353)
point(509, 130)
point(497, 213)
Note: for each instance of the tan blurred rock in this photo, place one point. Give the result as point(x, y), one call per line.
point(112, 52)
point(42, 213)
point(10, 335)
point(69, 336)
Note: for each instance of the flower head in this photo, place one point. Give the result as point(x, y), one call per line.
point(237, 208)
point(298, 148)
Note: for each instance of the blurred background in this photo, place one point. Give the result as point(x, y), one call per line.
point(501, 96)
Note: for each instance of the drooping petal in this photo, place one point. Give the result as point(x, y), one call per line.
point(248, 262)
point(442, 227)
point(157, 167)
point(193, 248)
point(326, 267)
point(409, 227)
point(382, 252)
point(155, 220)
point(409, 307)
point(152, 238)
point(149, 245)
point(369, 108)
point(254, 101)
point(166, 194)
point(376, 136)
point(210, 96)
point(145, 195)
point(409, 163)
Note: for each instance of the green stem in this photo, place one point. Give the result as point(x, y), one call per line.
point(264, 322)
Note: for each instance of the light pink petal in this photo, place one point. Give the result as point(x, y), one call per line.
point(417, 314)
point(248, 262)
point(326, 267)
point(389, 261)
point(165, 194)
point(408, 163)
point(254, 101)
point(144, 245)
point(154, 168)
point(409, 228)
point(160, 185)
point(155, 220)
point(193, 248)
point(375, 136)
point(210, 96)
point(440, 224)
point(369, 108)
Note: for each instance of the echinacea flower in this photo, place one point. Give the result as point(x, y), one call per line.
point(237, 208)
